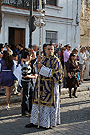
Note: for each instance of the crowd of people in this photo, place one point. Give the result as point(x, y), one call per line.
point(20, 68)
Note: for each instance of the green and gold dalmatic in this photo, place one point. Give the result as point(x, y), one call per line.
point(47, 97)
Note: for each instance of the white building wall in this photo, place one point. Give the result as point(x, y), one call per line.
point(61, 18)
point(69, 11)
point(15, 21)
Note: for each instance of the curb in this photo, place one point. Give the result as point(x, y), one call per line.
point(14, 99)
point(17, 98)
point(66, 91)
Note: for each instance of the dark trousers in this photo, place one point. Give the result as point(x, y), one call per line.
point(27, 97)
point(64, 79)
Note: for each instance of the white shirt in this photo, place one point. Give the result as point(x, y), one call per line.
point(87, 54)
point(82, 58)
point(34, 53)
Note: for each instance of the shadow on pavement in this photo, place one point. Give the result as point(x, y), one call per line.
point(75, 103)
point(72, 121)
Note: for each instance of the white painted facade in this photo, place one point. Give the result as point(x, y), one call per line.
point(61, 19)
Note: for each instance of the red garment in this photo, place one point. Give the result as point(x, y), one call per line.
point(61, 56)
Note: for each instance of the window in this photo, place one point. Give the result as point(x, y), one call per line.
point(52, 2)
point(51, 36)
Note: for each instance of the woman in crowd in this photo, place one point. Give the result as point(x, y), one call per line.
point(82, 58)
point(72, 79)
point(75, 51)
point(6, 74)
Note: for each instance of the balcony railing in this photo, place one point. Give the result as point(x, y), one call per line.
point(22, 3)
point(26, 3)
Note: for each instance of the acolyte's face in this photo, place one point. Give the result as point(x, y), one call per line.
point(50, 50)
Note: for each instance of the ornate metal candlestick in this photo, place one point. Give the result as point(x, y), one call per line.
point(39, 23)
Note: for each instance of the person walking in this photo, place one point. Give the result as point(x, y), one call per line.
point(66, 55)
point(82, 59)
point(86, 74)
point(51, 77)
point(72, 79)
point(6, 74)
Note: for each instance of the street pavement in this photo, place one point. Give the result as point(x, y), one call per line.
point(75, 118)
point(17, 98)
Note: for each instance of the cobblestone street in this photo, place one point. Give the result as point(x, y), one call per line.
point(75, 118)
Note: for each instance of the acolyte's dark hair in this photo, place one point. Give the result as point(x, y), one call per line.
point(50, 44)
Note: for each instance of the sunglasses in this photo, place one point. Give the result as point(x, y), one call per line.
point(50, 49)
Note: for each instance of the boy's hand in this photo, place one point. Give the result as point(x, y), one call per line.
point(40, 65)
point(38, 59)
point(31, 76)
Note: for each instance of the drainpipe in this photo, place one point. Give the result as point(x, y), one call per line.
point(30, 22)
point(77, 19)
point(67, 21)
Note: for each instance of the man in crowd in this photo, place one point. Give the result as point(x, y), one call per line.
point(21, 48)
point(58, 50)
point(35, 49)
point(66, 55)
point(50, 79)
point(86, 74)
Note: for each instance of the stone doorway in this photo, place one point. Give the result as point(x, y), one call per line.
point(16, 36)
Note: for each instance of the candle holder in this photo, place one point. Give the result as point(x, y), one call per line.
point(40, 18)
point(39, 23)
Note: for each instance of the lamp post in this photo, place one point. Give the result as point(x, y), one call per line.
point(39, 23)
point(67, 22)
point(30, 22)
